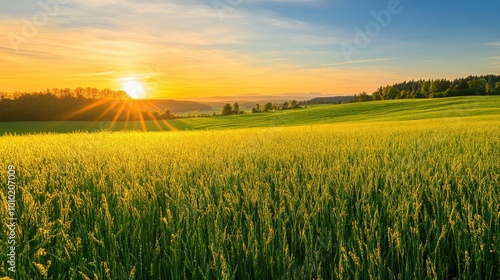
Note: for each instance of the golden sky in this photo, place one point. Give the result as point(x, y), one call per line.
point(182, 49)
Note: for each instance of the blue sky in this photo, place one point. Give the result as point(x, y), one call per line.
point(226, 47)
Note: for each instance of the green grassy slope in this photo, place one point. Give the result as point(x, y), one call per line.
point(458, 107)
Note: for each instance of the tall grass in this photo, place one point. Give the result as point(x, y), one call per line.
point(397, 200)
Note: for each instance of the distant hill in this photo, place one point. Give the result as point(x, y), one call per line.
point(454, 110)
point(249, 100)
point(177, 106)
point(330, 100)
point(258, 97)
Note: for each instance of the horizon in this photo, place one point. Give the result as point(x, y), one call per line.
point(188, 50)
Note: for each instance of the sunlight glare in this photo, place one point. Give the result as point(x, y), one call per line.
point(134, 89)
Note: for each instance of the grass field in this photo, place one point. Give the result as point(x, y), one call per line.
point(381, 190)
point(319, 114)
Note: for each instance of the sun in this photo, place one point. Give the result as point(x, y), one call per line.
point(134, 89)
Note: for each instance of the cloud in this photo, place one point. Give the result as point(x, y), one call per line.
point(96, 43)
point(105, 73)
point(493, 44)
point(363, 61)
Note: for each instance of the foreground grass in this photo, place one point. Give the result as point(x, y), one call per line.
point(387, 200)
point(412, 109)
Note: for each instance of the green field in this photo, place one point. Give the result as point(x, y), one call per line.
point(404, 189)
point(319, 114)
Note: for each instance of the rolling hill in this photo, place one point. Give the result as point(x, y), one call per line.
point(395, 110)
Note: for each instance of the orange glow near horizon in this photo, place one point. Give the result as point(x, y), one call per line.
point(60, 58)
point(200, 55)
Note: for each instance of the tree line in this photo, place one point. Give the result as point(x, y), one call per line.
point(79, 104)
point(91, 104)
point(472, 85)
point(68, 93)
point(269, 106)
point(49, 107)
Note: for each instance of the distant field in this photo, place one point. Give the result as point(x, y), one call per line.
point(319, 114)
point(381, 190)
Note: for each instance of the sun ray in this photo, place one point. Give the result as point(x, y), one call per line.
point(110, 107)
point(127, 118)
point(84, 109)
point(138, 111)
point(155, 121)
point(117, 116)
point(151, 115)
point(167, 124)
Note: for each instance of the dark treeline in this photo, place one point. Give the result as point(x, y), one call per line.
point(48, 107)
point(81, 104)
point(328, 100)
point(472, 85)
point(66, 93)
point(269, 106)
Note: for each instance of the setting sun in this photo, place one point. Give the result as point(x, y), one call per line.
point(134, 89)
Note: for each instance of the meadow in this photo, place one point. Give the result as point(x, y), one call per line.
point(400, 110)
point(398, 190)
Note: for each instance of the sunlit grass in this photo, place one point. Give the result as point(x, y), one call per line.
point(418, 109)
point(383, 200)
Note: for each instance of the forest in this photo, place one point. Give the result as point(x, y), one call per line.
point(65, 104)
point(472, 85)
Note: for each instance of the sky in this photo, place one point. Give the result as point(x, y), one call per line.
point(199, 48)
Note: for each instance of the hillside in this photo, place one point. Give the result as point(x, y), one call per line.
point(394, 110)
point(177, 106)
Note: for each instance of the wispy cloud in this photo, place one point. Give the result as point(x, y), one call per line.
point(363, 61)
point(257, 48)
point(105, 73)
point(493, 44)
point(98, 43)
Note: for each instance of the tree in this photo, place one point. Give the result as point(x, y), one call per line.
point(489, 89)
point(390, 92)
point(167, 114)
point(256, 109)
point(284, 106)
point(497, 88)
point(478, 85)
point(363, 97)
point(236, 108)
point(461, 85)
point(268, 107)
point(424, 88)
point(227, 110)
point(439, 86)
point(293, 104)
